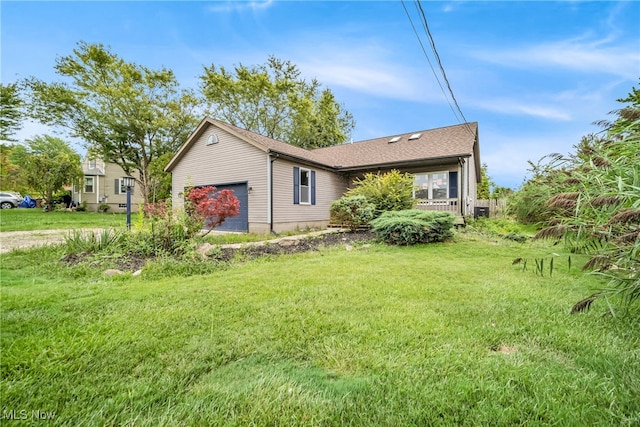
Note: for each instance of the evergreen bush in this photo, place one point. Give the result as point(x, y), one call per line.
point(412, 226)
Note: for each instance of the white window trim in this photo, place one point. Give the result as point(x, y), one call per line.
point(307, 187)
point(430, 184)
point(93, 185)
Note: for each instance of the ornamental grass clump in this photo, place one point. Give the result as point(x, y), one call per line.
point(412, 226)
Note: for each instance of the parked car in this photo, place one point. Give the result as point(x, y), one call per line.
point(9, 200)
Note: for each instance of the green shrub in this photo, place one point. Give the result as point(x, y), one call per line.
point(103, 207)
point(412, 226)
point(352, 211)
point(82, 207)
point(391, 191)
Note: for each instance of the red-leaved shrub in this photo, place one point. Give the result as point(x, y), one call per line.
point(211, 206)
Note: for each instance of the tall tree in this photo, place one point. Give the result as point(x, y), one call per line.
point(47, 164)
point(485, 184)
point(274, 101)
point(160, 180)
point(127, 114)
point(10, 114)
point(10, 178)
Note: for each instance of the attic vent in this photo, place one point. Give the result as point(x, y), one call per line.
point(415, 136)
point(394, 139)
point(212, 139)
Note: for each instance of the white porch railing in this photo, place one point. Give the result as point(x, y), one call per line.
point(443, 205)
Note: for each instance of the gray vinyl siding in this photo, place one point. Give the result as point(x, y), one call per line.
point(104, 190)
point(330, 186)
point(231, 160)
point(472, 194)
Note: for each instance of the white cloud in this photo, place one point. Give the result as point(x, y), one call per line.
point(373, 78)
point(574, 54)
point(512, 107)
point(368, 67)
point(239, 6)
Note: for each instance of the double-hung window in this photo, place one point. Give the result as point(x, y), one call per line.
point(119, 187)
point(304, 186)
point(88, 184)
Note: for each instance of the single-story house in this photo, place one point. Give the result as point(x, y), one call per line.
point(102, 184)
point(282, 187)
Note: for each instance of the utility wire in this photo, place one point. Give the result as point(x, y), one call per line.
point(435, 52)
point(424, 51)
point(437, 56)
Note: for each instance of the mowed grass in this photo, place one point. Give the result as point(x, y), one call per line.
point(443, 334)
point(35, 219)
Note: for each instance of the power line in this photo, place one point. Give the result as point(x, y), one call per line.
point(425, 25)
point(429, 60)
point(435, 52)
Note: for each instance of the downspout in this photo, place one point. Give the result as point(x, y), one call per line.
point(461, 195)
point(271, 160)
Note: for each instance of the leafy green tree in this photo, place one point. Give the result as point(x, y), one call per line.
point(127, 114)
point(485, 185)
point(10, 179)
point(10, 114)
point(274, 101)
point(47, 164)
point(500, 192)
point(160, 180)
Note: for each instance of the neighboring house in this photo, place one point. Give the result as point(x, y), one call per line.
point(282, 187)
point(102, 184)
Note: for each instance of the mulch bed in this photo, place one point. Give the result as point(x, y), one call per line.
point(294, 246)
point(246, 252)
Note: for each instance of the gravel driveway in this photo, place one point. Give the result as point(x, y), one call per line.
point(10, 240)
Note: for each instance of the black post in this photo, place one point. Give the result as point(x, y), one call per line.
point(128, 207)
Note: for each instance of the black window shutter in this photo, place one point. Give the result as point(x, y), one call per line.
point(453, 185)
point(116, 186)
point(313, 187)
point(296, 185)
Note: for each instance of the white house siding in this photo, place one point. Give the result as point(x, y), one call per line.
point(230, 160)
point(288, 216)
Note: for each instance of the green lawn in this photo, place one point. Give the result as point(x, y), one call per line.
point(35, 219)
point(443, 334)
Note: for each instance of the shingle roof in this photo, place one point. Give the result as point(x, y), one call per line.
point(276, 146)
point(431, 144)
point(451, 141)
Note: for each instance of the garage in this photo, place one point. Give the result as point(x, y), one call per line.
point(241, 221)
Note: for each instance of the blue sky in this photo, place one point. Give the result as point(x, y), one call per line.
point(534, 75)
